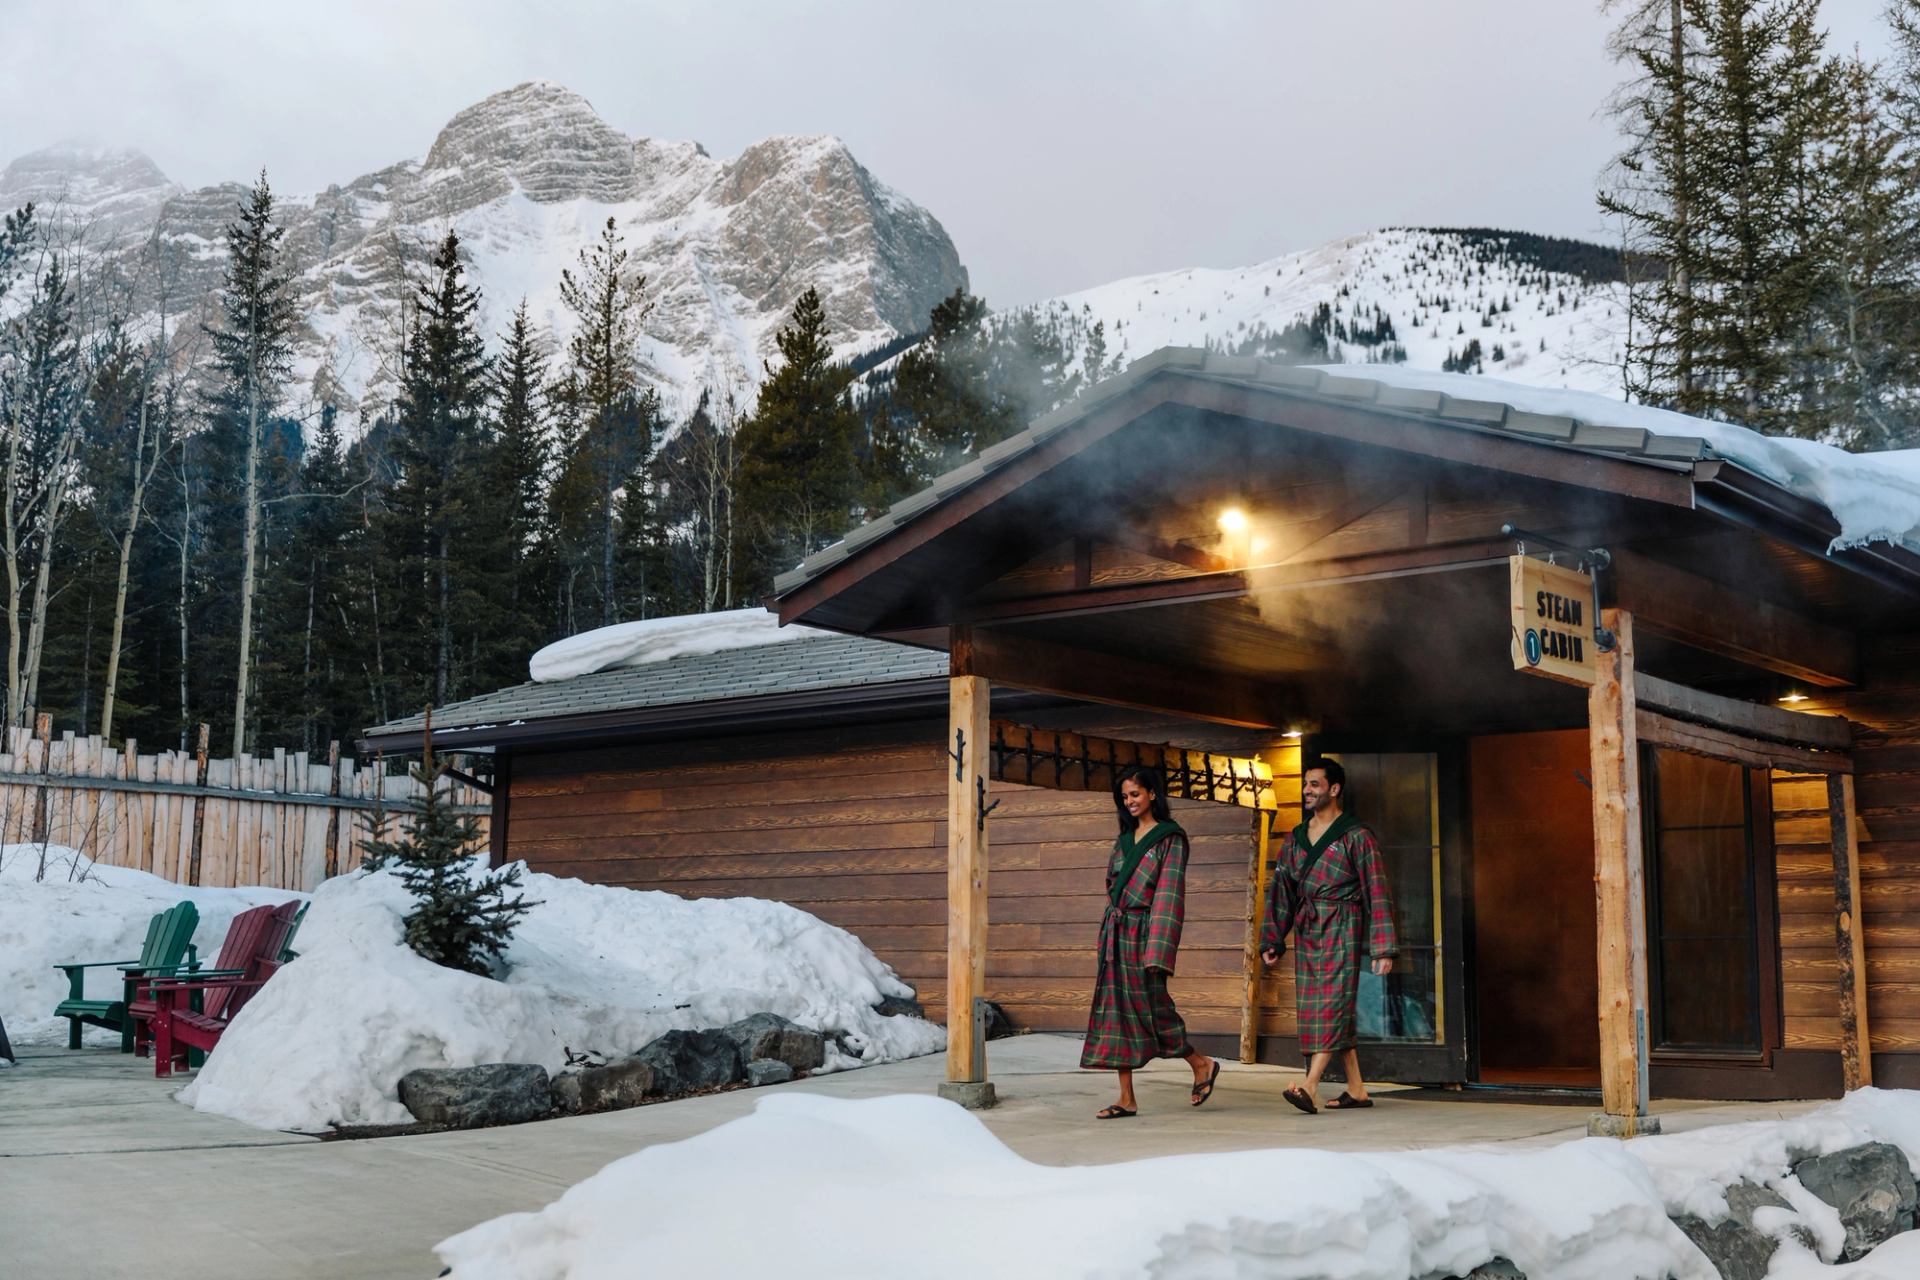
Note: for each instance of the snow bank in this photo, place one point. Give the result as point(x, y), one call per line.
point(590, 968)
point(83, 911)
point(811, 1186)
point(634, 644)
point(1874, 496)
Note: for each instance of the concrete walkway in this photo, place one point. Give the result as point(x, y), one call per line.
point(82, 1132)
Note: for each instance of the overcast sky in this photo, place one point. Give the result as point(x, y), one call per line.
point(1062, 143)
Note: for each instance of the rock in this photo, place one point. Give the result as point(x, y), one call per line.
point(1737, 1250)
point(768, 1071)
point(684, 1061)
point(609, 1087)
point(1871, 1186)
point(1492, 1269)
point(768, 1035)
point(474, 1097)
point(900, 1007)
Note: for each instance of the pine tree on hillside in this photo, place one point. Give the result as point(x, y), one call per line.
point(515, 490)
point(944, 386)
point(252, 354)
point(798, 477)
point(696, 472)
point(462, 918)
point(607, 420)
point(42, 415)
point(436, 452)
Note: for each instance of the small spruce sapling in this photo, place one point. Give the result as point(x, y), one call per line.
point(459, 920)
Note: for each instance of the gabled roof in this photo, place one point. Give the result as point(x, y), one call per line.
point(1750, 496)
point(1489, 416)
point(754, 683)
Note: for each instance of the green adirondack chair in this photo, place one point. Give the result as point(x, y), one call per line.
point(168, 951)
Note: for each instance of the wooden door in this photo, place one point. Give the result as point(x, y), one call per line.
point(1534, 972)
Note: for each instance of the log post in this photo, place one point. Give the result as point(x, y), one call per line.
point(1619, 877)
point(42, 807)
point(1250, 957)
point(199, 804)
point(332, 866)
point(968, 705)
point(1856, 1040)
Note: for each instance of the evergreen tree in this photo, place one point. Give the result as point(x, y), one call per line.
point(437, 456)
point(607, 422)
point(945, 385)
point(514, 493)
point(798, 478)
point(42, 411)
point(461, 919)
point(252, 356)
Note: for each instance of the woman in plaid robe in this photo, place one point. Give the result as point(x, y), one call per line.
point(1133, 1020)
point(1328, 886)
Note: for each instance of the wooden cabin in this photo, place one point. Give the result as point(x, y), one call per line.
point(1642, 749)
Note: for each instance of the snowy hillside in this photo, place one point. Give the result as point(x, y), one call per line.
point(528, 177)
point(1542, 311)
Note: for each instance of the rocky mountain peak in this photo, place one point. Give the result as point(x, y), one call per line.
point(539, 137)
point(111, 191)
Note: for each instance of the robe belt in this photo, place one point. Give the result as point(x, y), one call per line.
point(1323, 907)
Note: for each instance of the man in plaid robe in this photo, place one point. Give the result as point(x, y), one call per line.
point(1133, 1019)
point(1329, 890)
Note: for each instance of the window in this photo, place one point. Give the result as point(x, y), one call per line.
point(1702, 916)
point(1397, 796)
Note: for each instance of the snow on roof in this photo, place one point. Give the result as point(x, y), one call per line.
point(635, 644)
point(1874, 496)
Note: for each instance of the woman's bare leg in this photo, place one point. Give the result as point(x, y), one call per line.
point(1126, 1091)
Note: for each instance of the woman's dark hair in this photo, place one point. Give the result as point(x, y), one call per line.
point(1149, 779)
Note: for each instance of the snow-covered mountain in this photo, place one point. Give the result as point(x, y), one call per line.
point(1544, 312)
point(528, 177)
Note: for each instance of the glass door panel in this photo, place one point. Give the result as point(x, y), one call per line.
point(1397, 796)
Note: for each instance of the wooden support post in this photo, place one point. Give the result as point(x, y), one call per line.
point(332, 865)
point(967, 740)
point(1250, 958)
point(42, 820)
point(199, 805)
point(1856, 1040)
point(1619, 888)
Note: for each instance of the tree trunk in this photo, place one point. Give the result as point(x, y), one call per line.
point(250, 551)
point(141, 474)
point(43, 576)
point(16, 700)
point(180, 603)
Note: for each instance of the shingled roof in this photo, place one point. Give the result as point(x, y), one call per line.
point(1489, 416)
point(738, 682)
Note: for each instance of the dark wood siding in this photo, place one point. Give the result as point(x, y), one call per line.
point(850, 825)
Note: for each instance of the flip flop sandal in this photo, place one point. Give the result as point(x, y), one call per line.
point(1347, 1102)
point(1115, 1112)
point(1300, 1098)
point(1204, 1090)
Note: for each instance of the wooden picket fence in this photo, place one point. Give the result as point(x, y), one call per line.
point(284, 821)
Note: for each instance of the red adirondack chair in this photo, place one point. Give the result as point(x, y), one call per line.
point(179, 1029)
point(255, 936)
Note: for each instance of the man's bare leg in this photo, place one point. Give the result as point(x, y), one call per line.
point(1350, 1063)
point(1316, 1068)
point(1127, 1102)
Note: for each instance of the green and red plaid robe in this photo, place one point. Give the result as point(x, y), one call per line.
point(1133, 1020)
point(1345, 892)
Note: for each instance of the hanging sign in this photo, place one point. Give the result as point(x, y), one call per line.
point(1552, 620)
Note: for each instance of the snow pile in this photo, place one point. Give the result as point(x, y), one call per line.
point(1874, 496)
point(811, 1186)
point(635, 644)
point(83, 912)
point(590, 968)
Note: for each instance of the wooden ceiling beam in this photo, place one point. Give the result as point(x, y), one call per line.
point(1046, 667)
point(1683, 606)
